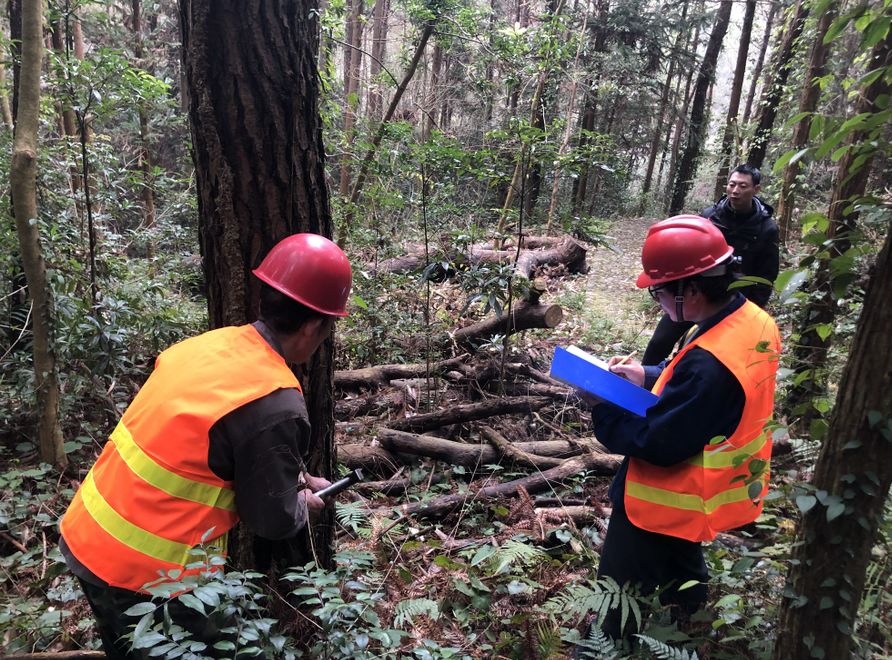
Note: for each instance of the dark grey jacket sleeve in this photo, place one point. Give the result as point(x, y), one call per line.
point(261, 447)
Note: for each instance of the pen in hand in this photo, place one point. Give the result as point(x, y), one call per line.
point(626, 359)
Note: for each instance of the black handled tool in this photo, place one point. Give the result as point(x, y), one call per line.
point(341, 484)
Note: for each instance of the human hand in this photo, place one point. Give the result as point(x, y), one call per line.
point(630, 370)
point(314, 503)
point(315, 483)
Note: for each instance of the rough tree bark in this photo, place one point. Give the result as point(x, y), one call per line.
point(23, 185)
point(688, 166)
point(781, 64)
point(854, 470)
point(726, 152)
point(808, 102)
point(259, 165)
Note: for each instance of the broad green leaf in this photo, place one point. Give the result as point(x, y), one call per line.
point(806, 502)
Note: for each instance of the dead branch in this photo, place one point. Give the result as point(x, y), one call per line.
point(376, 403)
point(603, 465)
point(507, 449)
point(464, 454)
point(469, 412)
point(383, 373)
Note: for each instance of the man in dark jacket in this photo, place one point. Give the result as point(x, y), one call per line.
point(747, 224)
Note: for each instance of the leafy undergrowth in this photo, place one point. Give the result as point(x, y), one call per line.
point(510, 577)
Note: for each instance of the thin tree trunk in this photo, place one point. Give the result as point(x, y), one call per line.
point(145, 159)
point(23, 184)
point(774, 89)
point(658, 137)
point(568, 128)
point(810, 354)
point(429, 120)
point(5, 107)
point(379, 44)
point(808, 103)
point(760, 61)
point(599, 30)
point(14, 12)
point(726, 153)
point(854, 470)
point(352, 64)
point(696, 127)
point(344, 230)
point(680, 119)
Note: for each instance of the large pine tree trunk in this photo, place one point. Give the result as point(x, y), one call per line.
point(810, 354)
point(854, 469)
point(727, 154)
point(23, 185)
point(808, 102)
point(781, 63)
point(696, 127)
point(259, 166)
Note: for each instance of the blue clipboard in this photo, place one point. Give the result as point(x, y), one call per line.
point(577, 368)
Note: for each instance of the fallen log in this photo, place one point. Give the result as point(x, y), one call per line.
point(376, 403)
point(396, 486)
point(579, 514)
point(598, 464)
point(374, 459)
point(384, 373)
point(464, 454)
point(510, 451)
point(568, 252)
point(469, 412)
point(524, 316)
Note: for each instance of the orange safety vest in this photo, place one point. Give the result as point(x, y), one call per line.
point(722, 487)
point(151, 497)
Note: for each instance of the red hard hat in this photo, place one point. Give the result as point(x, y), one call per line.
point(679, 247)
point(310, 269)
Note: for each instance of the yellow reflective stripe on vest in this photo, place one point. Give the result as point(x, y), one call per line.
point(163, 479)
point(719, 458)
point(126, 532)
point(686, 501)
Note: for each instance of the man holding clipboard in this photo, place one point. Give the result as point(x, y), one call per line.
point(696, 462)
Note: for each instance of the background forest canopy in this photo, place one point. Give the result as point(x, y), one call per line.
point(451, 127)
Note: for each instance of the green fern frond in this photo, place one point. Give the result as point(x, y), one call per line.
point(353, 516)
point(407, 610)
point(597, 645)
point(603, 595)
point(515, 552)
point(664, 651)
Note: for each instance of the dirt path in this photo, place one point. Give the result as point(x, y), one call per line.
point(611, 293)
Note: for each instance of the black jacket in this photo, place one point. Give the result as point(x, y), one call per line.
point(754, 237)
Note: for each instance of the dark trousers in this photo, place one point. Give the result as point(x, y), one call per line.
point(110, 603)
point(666, 335)
point(635, 556)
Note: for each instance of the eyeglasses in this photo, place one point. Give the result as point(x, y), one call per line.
point(654, 291)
